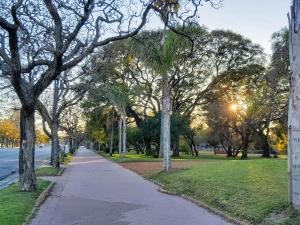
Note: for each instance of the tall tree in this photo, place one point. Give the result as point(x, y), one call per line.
point(66, 93)
point(70, 121)
point(294, 105)
point(118, 96)
point(160, 57)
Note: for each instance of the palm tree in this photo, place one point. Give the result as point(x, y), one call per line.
point(118, 96)
point(161, 57)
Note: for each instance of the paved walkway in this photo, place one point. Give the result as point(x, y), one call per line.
point(95, 191)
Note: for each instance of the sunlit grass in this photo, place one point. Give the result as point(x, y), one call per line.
point(246, 189)
point(249, 190)
point(203, 155)
point(67, 158)
point(130, 157)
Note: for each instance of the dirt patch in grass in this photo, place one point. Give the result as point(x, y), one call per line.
point(149, 168)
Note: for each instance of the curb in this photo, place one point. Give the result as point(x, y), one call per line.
point(43, 196)
point(201, 204)
point(62, 169)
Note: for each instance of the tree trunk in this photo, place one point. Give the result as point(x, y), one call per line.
point(71, 145)
point(176, 147)
point(75, 145)
point(55, 145)
point(27, 148)
point(165, 124)
point(124, 133)
point(196, 151)
point(120, 136)
point(161, 150)
point(77, 142)
point(148, 146)
point(111, 140)
point(294, 107)
point(229, 152)
point(265, 146)
point(54, 127)
point(245, 153)
point(245, 140)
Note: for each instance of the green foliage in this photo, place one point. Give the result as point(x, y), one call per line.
point(183, 146)
point(179, 126)
point(118, 96)
point(278, 76)
point(67, 158)
point(211, 72)
point(149, 131)
point(158, 51)
point(97, 125)
point(135, 138)
point(16, 205)
point(99, 135)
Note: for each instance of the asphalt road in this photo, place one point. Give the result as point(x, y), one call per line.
point(95, 191)
point(9, 163)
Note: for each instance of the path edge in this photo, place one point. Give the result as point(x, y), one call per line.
point(199, 203)
point(43, 196)
point(62, 169)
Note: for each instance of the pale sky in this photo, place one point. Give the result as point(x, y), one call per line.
point(255, 19)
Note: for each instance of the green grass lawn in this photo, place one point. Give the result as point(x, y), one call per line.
point(47, 171)
point(130, 157)
point(16, 205)
point(133, 157)
point(248, 189)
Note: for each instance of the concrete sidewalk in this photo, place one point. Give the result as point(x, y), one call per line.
point(95, 191)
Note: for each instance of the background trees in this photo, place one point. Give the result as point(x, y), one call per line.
point(40, 40)
point(183, 80)
point(9, 133)
point(66, 93)
point(220, 81)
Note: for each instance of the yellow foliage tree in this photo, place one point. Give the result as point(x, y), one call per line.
point(9, 133)
point(99, 135)
point(41, 137)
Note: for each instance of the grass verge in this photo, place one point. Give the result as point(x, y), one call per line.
point(253, 190)
point(67, 159)
point(249, 190)
point(129, 157)
point(16, 205)
point(133, 157)
point(48, 171)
